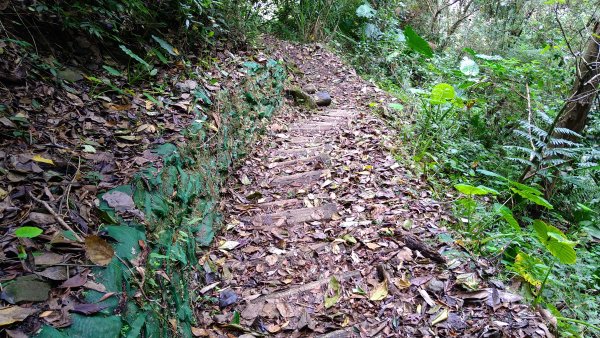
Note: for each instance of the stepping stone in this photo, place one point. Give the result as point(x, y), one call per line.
point(315, 126)
point(279, 204)
point(302, 151)
point(298, 179)
point(303, 139)
point(339, 113)
point(323, 158)
point(295, 216)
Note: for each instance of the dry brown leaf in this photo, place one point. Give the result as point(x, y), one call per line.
point(13, 314)
point(98, 250)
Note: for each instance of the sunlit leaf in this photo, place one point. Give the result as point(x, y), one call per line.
point(442, 93)
point(472, 190)
point(28, 232)
point(38, 158)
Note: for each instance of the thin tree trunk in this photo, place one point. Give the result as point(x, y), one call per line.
point(574, 114)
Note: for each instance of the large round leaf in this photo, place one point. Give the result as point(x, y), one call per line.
point(365, 11)
point(469, 67)
point(442, 93)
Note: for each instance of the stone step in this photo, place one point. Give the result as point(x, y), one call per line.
point(295, 216)
point(339, 113)
point(279, 204)
point(303, 151)
point(299, 179)
point(320, 158)
point(315, 126)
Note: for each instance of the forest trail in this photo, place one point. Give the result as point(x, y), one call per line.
point(328, 235)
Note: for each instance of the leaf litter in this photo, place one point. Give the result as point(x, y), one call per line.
point(374, 267)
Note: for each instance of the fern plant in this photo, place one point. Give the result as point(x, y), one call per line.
point(548, 148)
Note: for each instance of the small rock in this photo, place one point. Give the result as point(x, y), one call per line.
point(322, 99)
point(226, 298)
point(310, 89)
point(187, 86)
point(26, 289)
point(435, 285)
point(69, 74)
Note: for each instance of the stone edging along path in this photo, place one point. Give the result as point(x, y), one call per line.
point(327, 235)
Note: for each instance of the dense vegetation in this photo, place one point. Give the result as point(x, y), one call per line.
point(496, 104)
point(497, 101)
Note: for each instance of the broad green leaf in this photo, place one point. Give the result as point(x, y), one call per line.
point(491, 174)
point(472, 190)
point(166, 46)
point(442, 93)
point(530, 268)
point(469, 67)
point(526, 188)
point(508, 216)
point(562, 250)
point(134, 56)
point(533, 198)
point(541, 230)
point(236, 318)
point(365, 11)
point(417, 43)
point(28, 232)
point(111, 70)
point(334, 290)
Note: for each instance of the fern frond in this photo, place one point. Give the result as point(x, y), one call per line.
point(545, 117)
point(555, 162)
point(566, 131)
point(563, 142)
point(531, 153)
point(523, 134)
point(520, 160)
point(534, 129)
point(566, 152)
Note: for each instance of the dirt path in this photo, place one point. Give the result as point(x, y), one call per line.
point(327, 235)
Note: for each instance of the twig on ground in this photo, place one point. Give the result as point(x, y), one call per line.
point(57, 217)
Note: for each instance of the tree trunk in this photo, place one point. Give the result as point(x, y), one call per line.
point(574, 114)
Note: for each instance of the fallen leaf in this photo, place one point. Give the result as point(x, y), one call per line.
point(442, 316)
point(198, 332)
point(229, 245)
point(54, 273)
point(334, 289)
point(75, 281)
point(88, 309)
point(38, 158)
point(272, 328)
point(98, 250)
point(89, 149)
point(379, 292)
point(13, 314)
point(245, 180)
